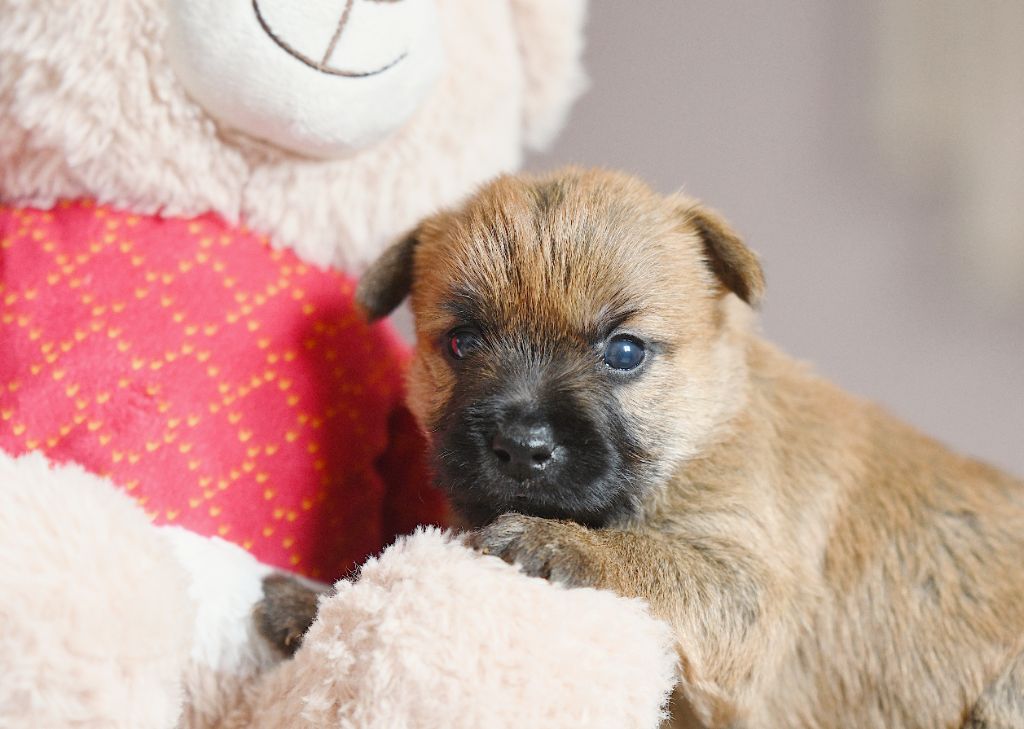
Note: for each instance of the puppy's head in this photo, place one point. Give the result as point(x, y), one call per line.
point(578, 336)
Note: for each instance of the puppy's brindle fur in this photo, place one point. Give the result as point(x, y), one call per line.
point(821, 563)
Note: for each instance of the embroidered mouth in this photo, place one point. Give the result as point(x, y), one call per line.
point(322, 65)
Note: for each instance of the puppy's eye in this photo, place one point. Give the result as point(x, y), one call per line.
point(624, 353)
point(462, 341)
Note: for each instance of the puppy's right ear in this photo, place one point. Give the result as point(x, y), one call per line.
point(388, 280)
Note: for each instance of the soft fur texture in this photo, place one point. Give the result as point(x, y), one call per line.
point(821, 563)
point(99, 635)
point(435, 635)
point(83, 115)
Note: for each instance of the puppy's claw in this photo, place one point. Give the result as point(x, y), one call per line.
point(558, 551)
point(286, 611)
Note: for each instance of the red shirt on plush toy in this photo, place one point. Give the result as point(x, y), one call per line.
point(229, 387)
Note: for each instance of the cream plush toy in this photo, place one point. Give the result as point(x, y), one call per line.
point(188, 399)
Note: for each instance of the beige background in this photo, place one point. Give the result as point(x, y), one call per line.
point(769, 112)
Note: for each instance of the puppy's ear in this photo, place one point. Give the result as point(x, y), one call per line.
point(388, 279)
point(735, 265)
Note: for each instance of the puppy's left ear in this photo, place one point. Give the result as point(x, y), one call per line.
point(388, 280)
point(735, 265)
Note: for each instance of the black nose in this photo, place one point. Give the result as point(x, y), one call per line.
point(523, 450)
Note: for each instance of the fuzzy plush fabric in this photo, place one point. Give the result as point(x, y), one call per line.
point(228, 387)
point(435, 635)
point(90, 106)
point(95, 624)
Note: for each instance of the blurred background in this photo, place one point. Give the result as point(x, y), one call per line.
point(872, 153)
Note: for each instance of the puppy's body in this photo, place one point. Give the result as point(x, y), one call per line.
point(822, 564)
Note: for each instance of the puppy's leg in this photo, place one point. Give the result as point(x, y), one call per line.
point(1001, 706)
point(726, 606)
point(286, 611)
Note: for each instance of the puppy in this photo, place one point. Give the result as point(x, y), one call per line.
point(603, 412)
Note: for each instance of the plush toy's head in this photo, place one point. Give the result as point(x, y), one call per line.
point(329, 125)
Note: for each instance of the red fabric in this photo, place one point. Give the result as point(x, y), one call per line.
point(227, 386)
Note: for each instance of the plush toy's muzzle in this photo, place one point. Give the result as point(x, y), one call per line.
point(320, 78)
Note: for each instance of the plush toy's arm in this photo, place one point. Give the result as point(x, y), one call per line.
point(433, 634)
point(550, 36)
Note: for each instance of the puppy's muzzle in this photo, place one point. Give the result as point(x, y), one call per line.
point(524, 447)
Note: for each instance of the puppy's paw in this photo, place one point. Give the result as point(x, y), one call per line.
point(286, 611)
point(559, 551)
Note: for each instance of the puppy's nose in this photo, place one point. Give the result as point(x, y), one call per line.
point(522, 450)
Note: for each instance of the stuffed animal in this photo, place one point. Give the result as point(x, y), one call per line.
point(187, 190)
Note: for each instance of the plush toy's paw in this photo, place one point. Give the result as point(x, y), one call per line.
point(286, 611)
point(560, 551)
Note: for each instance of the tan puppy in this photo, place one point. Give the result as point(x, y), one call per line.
point(584, 352)
point(586, 358)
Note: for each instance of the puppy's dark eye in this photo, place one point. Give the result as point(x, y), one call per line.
point(624, 353)
point(462, 341)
